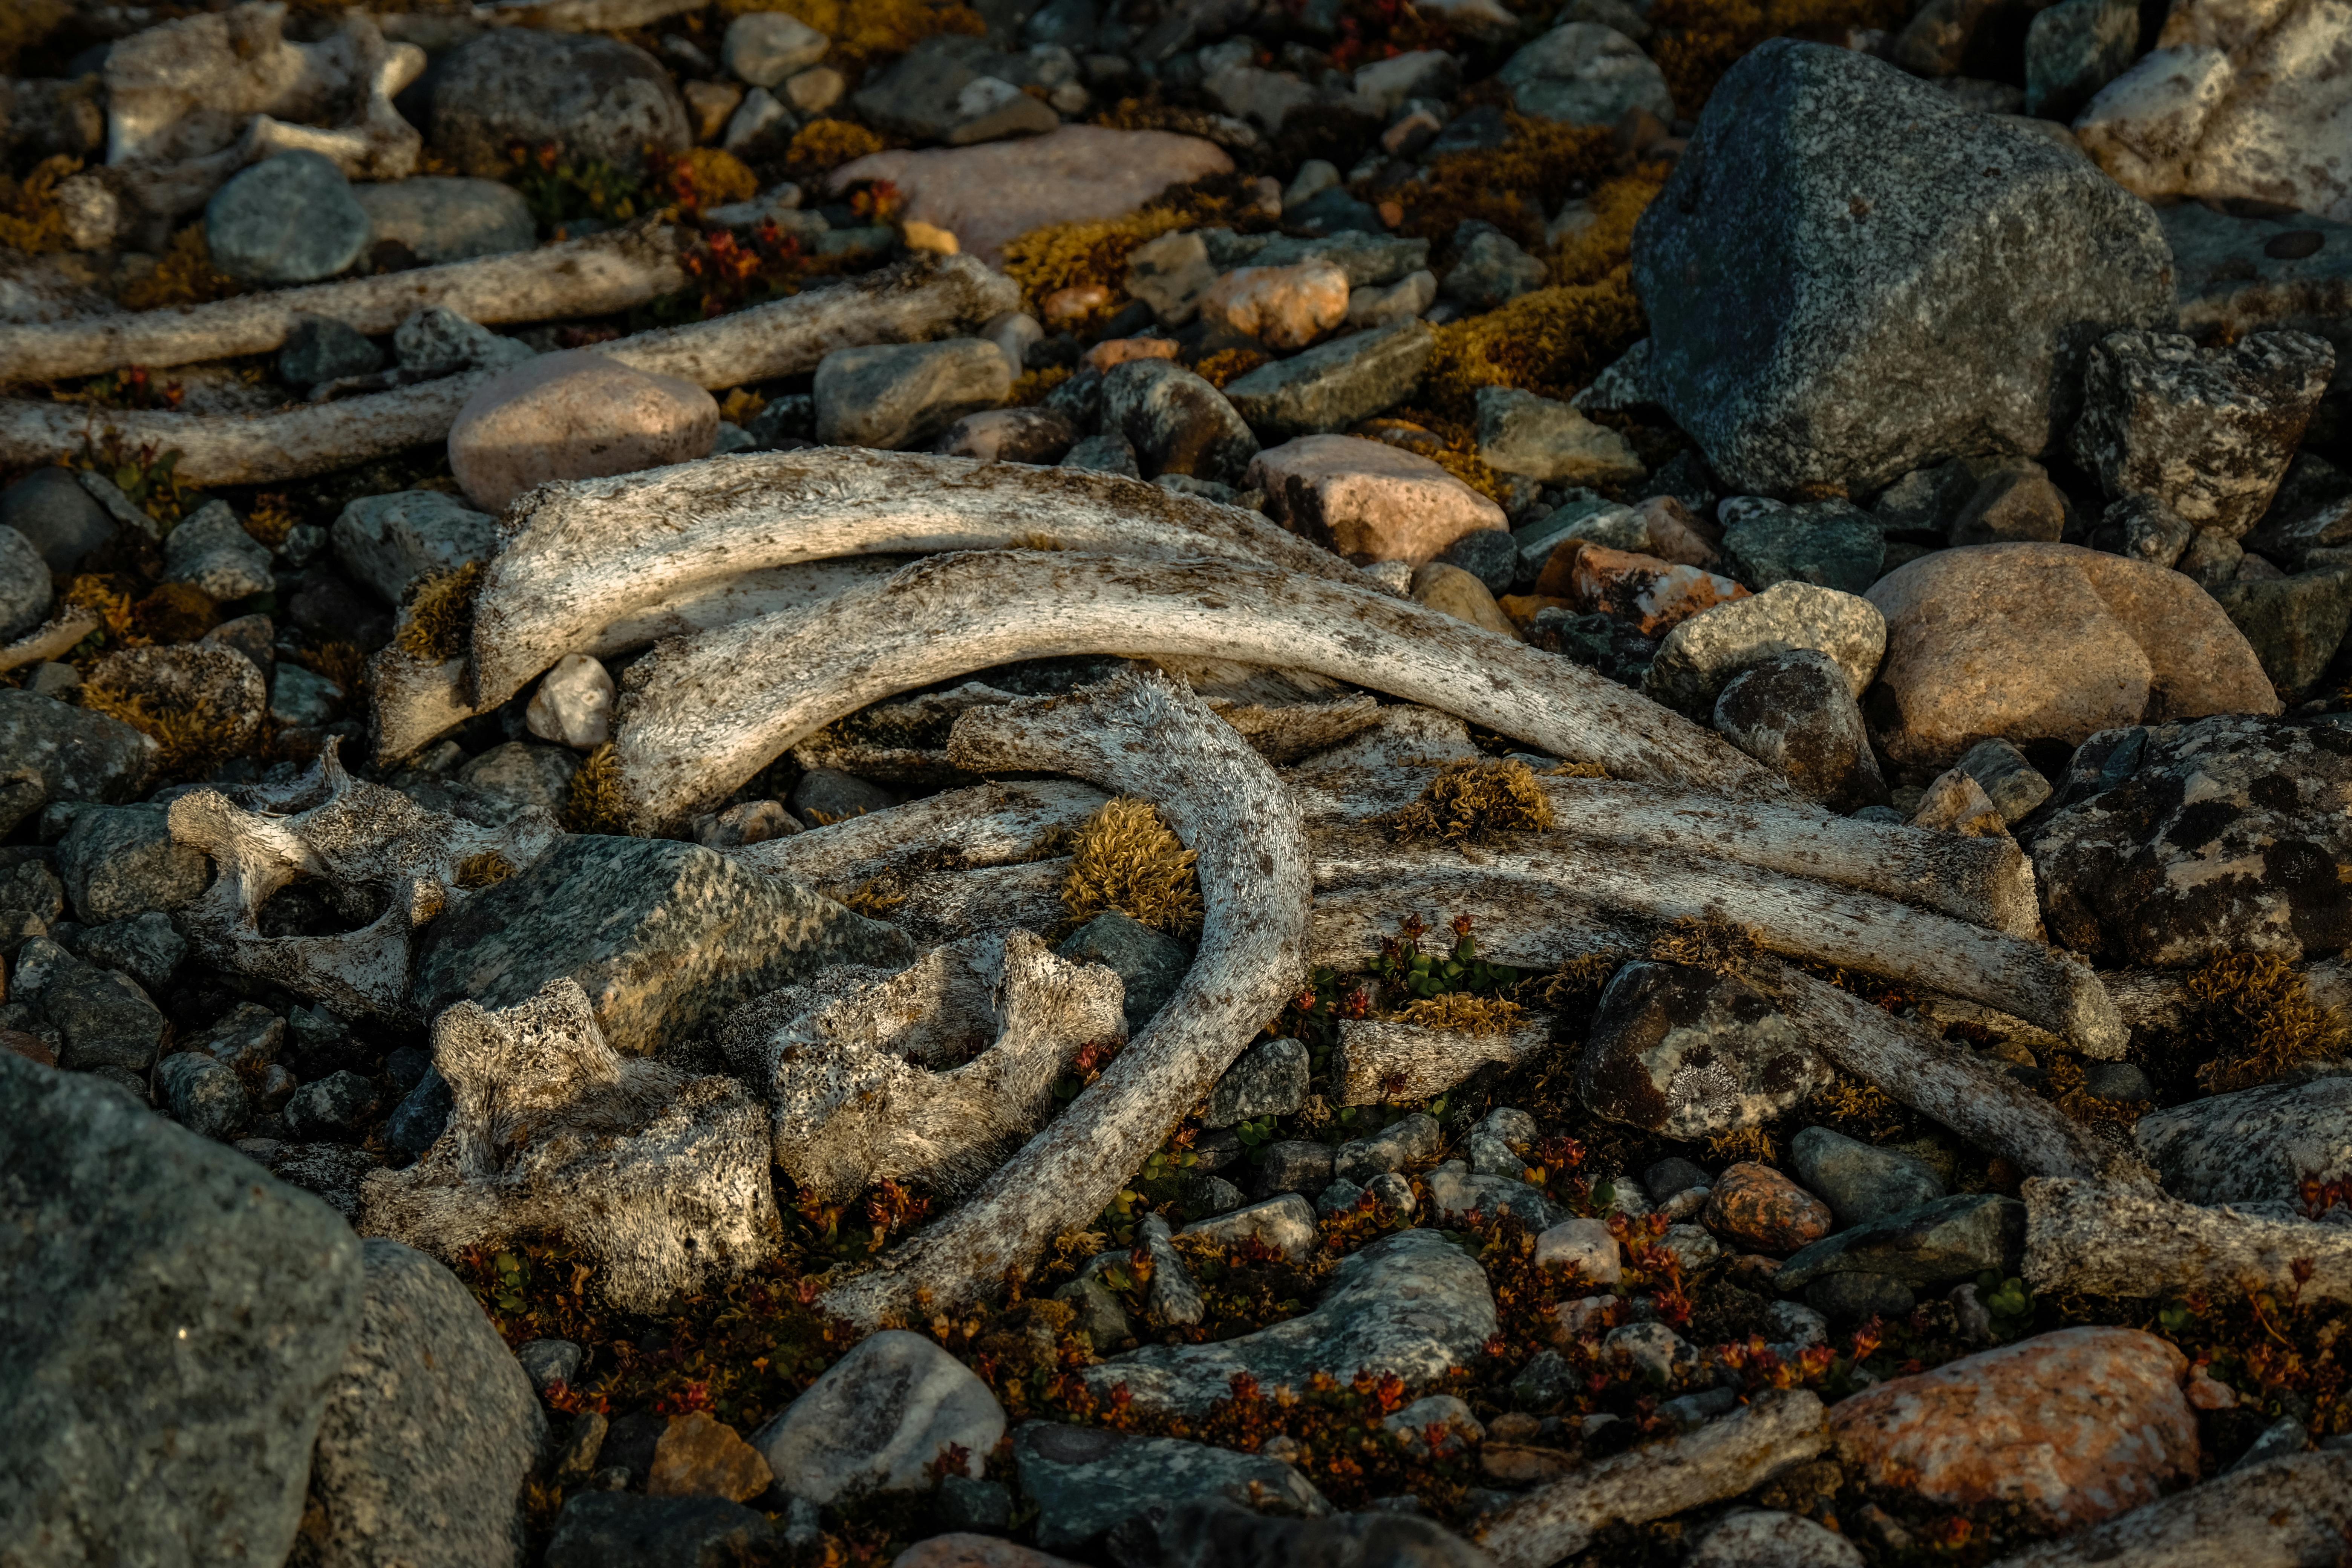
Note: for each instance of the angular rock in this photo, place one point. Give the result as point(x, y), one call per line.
point(1756, 1207)
point(1093, 1486)
point(1369, 501)
point(442, 219)
point(1008, 435)
point(596, 98)
point(173, 1322)
point(1519, 433)
point(1582, 73)
point(1489, 269)
point(2257, 1145)
point(102, 1019)
point(1860, 1181)
point(1216, 1533)
point(1282, 307)
point(1171, 274)
point(1955, 803)
point(1458, 1198)
point(1688, 1053)
point(1936, 1243)
point(699, 1456)
point(527, 774)
point(1827, 544)
point(2074, 49)
point(1177, 422)
point(118, 861)
point(1150, 963)
point(2287, 1512)
point(202, 1095)
point(2078, 1425)
point(2015, 501)
point(25, 585)
point(574, 704)
point(763, 47)
point(1265, 1080)
point(576, 415)
point(1699, 655)
point(1850, 276)
point(877, 1417)
point(2033, 642)
point(322, 348)
point(211, 550)
point(2242, 274)
point(1761, 1538)
point(1285, 1224)
point(1405, 1142)
point(146, 947)
point(1333, 385)
point(1794, 714)
point(625, 1530)
point(290, 218)
point(2295, 624)
point(2013, 785)
point(1583, 1246)
point(1294, 1165)
point(1653, 596)
point(898, 396)
point(1456, 593)
point(438, 341)
point(387, 541)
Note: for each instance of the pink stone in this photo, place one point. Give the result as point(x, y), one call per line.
point(1282, 307)
point(574, 416)
point(1118, 351)
point(1369, 501)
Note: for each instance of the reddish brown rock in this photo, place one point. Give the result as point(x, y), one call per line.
point(1369, 501)
point(32, 1048)
point(1657, 596)
point(2080, 1426)
point(1118, 351)
point(1759, 1208)
point(1282, 307)
point(699, 1456)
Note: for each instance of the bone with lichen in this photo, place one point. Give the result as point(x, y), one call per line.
point(1381, 1061)
point(365, 844)
point(660, 1177)
point(865, 1071)
point(52, 638)
point(2113, 1240)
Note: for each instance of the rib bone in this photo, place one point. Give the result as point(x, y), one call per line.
point(2116, 1241)
point(1141, 735)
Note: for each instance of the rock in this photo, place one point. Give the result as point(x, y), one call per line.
point(1110, 454)
point(1936, 1243)
point(2033, 642)
point(1367, 499)
point(1171, 274)
point(2257, 1145)
point(321, 348)
point(985, 196)
point(1707, 650)
point(335, 1106)
point(25, 585)
point(102, 1019)
point(1802, 341)
point(597, 98)
point(549, 1362)
point(1459, 1199)
point(1336, 384)
point(1860, 1181)
point(211, 550)
point(117, 861)
point(1492, 558)
point(2080, 1424)
point(2074, 49)
point(444, 220)
point(146, 947)
point(1758, 1208)
point(1282, 307)
point(1150, 963)
point(1091, 1485)
point(1827, 544)
point(1653, 1350)
point(1177, 422)
point(624, 1530)
point(1955, 803)
point(290, 218)
point(421, 1117)
point(1008, 435)
point(2015, 501)
point(877, 1417)
point(430, 1429)
point(1583, 1246)
point(2122, 873)
point(2209, 433)
point(387, 541)
point(1285, 1224)
point(827, 796)
point(574, 704)
point(699, 1456)
point(1407, 1140)
point(1652, 595)
point(763, 47)
point(896, 396)
point(1582, 73)
point(1672, 1175)
point(1294, 1165)
point(2013, 785)
point(1761, 1538)
point(1456, 593)
point(1216, 1533)
point(1688, 1053)
point(202, 1095)
point(539, 777)
point(56, 516)
point(683, 934)
point(1490, 270)
point(1370, 306)
point(1794, 714)
point(2208, 113)
point(1269, 1080)
point(577, 416)
point(1519, 433)
point(134, 1240)
point(438, 341)
point(756, 116)
point(2295, 624)
point(975, 1551)
point(2239, 275)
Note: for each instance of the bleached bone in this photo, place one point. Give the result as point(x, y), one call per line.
point(368, 845)
point(985, 825)
point(1350, 923)
point(591, 277)
point(1778, 1429)
point(870, 1075)
point(2112, 1240)
point(1139, 735)
point(2282, 1513)
point(51, 639)
point(1380, 1060)
point(660, 1177)
point(691, 730)
point(926, 297)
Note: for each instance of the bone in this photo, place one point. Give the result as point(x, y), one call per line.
point(1778, 1429)
point(855, 1065)
point(2111, 1240)
point(2283, 1513)
point(362, 841)
point(591, 277)
point(689, 731)
point(1380, 1060)
point(660, 1177)
point(1350, 923)
point(927, 296)
point(985, 824)
point(1225, 803)
point(53, 639)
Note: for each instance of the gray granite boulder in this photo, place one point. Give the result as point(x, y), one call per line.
point(898, 396)
point(102, 1018)
point(1099, 1490)
point(1828, 543)
point(2255, 1146)
point(25, 586)
point(1794, 713)
point(1850, 276)
point(598, 99)
point(57, 751)
point(1582, 73)
point(1177, 422)
point(203, 1095)
point(1702, 652)
point(877, 1417)
point(2295, 624)
point(172, 1322)
point(1269, 1080)
point(1689, 1053)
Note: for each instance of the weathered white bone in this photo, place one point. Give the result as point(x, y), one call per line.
point(1380, 1060)
point(1350, 923)
point(51, 639)
point(946, 906)
point(985, 825)
point(871, 1076)
point(661, 1178)
point(1780, 1428)
point(2282, 1513)
point(1141, 735)
point(365, 843)
point(2112, 1240)
point(927, 296)
point(590, 276)
point(690, 730)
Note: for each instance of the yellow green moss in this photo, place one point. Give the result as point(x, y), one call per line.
point(1512, 186)
point(1063, 254)
point(1479, 1015)
point(1125, 857)
point(2254, 1019)
point(1607, 243)
point(439, 625)
point(1707, 941)
point(193, 736)
point(866, 31)
point(1473, 800)
point(1553, 342)
point(822, 146)
point(1693, 42)
point(185, 276)
point(30, 218)
point(593, 804)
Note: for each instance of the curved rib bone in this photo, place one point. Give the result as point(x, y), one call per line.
point(1141, 735)
point(925, 298)
point(2137, 1241)
point(688, 735)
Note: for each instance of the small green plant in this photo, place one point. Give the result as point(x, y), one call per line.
point(559, 193)
point(1459, 971)
point(148, 477)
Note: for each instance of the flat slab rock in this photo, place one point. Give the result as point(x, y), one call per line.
point(1412, 1304)
point(1092, 1486)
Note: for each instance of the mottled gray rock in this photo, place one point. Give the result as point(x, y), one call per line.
point(940, 90)
point(1519, 433)
point(1455, 1195)
point(898, 396)
point(117, 861)
point(1689, 1053)
point(387, 541)
point(1294, 1165)
point(290, 218)
point(1849, 276)
point(2207, 432)
point(2013, 785)
point(1407, 1141)
point(628, 1529)
point(146, 947)
point(25, 585)
point(763, 47)
point(547, 1362)
point(1762, 1538)
point(1178, 423)
point(1366, 256)
point(302, 699)
point(1285, 1224)
point(335, 1106)
point(1828, 543)
point(1859, 1182)
point(1333, 386)
point(877, 1417)
point(2295, 624)
point(683, 934)
point(1488, 554)
point(442, 219)
point(322, 348)
point(1794, 713)
point(2254, 1146)
point(2074, 49)
point(421, 1117)
point(1269, 1080)
point(248, 1040)
point(102, 1018)
point(1215, 1533)
point(1489, 269)
point(1008, 435)
point(597, 98)
point(1094, 1488)
point(202, 1095)
point(1700, 654)
point(438, 341)
point(171, 1323)
point(1585, 74)
point(2122, 872)
point(2015, 501)
point(826, 795)
point(1150, 963)
point(52, 510)
point(1956, 1238)
point(1851, 1297)
point(525, 773)
point(429, 1431)
point(2312, 509)
point(1653, 1350)
point(1110, 453)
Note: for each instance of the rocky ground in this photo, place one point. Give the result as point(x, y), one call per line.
point(1176, 782)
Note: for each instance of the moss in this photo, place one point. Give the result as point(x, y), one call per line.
point(174, 613)
point(1479, 1015)
point(94, 591)
point(1472, 801)
point(1228, 365)
point(1577, 771)
point(593, 804)
point(2065, 1084)
point(1708, 942)
point(1553, 342)
point(1030, 389)
point(866, 31)
point(193, 737)
point(185, 276)
point(822, 146)
point(438, 625)
point(1446, 442)
point(1125, 858)
point(30, 218)
point(2254, 1019)
point(1061, 255)
point(876, 897)
point(272, 519)
point(484, 871)
point(1607, 243)
point(27, 24)
point(742, 405)
point(700, 177)
point(1693, 42)
point(1512, 186)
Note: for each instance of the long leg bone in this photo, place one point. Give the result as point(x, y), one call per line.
point(986, 825)
point(2119, 1241)
point(1145, 736)
point(688, 732)
point(52, 640)
point(926, 298)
